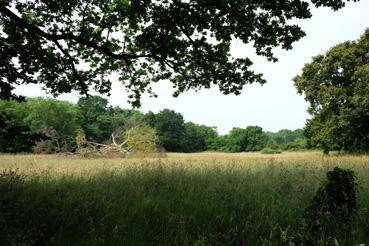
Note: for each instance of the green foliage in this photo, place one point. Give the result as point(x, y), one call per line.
point(336, 200)
point(270, 151)
point(96, 124)
point(298, 144)
point(154, 40)
point(250, 139)
point(99, 119)
point(81, 138)
point(255, 139)
point(50, 126)
point(15, 133)
point(170, 127)
point(236, 140)
point(286, 140)
point(199, 137)
point(57, 121)
point(141, 139)
point(336, 86)
point(333, 210)
point(82, 146)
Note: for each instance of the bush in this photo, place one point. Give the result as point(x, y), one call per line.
point(332, 213)
point(271, 151)
point(44, 147)
point(336, 200)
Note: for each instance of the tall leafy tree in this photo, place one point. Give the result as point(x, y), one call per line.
point(58, 120)
point(285, 136)
point(75, 44)
point(236, 140)
point(170, 127)
point(96, 121)
point(286, 139)
point(336, 85)
point(15, 134)
point(255, 138)
point(251, 138)
point(198, 137)
point(100, 119)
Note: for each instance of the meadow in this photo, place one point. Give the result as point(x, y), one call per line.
point(180, 199)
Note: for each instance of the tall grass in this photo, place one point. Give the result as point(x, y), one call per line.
point(184, 199)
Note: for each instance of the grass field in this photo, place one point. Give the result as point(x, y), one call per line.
point(180, 199)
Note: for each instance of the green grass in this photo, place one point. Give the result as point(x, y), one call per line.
point(173, 202)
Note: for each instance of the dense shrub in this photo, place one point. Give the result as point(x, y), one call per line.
point(335, 201)
point(271, 151)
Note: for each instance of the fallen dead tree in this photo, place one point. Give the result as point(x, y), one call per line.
point(137, 140)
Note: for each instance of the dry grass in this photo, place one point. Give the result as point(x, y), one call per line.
point(71, 165)
point(180, 199)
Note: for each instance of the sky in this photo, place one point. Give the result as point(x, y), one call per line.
point(275, 105)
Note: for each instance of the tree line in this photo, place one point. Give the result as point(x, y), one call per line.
point(51, 126)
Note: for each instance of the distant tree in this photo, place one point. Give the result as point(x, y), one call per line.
point(284, 136)
point(15, 134)
point(255, 139)
point(143, 41)
point(170, 128)
point(52, 142)
point(100, 119)
point(220, 143)
point(297, 144)
point(336, 86)
point(96, 121)
point(57, 120)
point(210, 135)
point(286, 139)
point(198, 137)
point(150, 118)
point(193, 140)
point(236, 140)
point(298, 141)
point(252, 138)
point(272, 144)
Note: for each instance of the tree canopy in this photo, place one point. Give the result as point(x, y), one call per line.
point(250, 139)
point(70, 45)
point(170, 127)
point(336, 85)
point(100, 119)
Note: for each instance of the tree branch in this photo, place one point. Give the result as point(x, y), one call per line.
point(68, 36)
point(75, 72)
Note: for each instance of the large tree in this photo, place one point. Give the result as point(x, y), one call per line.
point(75, 44)
point(236, 140)
point(170, 127)
point(336, 85)
point(255, 138)
point(56, 120)
point(15, 134)
point(199, 137)
point(100, 119)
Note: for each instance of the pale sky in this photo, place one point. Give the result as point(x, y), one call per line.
point(273, 106)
